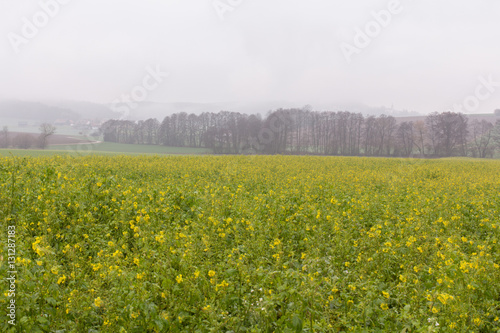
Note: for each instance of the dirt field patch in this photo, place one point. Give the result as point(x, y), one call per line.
point(56, 139)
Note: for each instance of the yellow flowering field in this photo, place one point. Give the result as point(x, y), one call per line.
point(251, 244)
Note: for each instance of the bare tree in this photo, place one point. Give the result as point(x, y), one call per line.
point(496, 135)
point(4, 137)
point(405, 138)
point(384, 129)
point(420, 135)
point(448, 133)
point(23, 141)
point(482, 138)
point(369, 135)
point(151, 127)
point(46, 130)
point(432, 129)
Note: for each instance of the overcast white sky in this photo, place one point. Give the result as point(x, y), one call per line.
point(426, 59)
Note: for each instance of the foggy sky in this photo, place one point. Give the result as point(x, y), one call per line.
point(429, 56)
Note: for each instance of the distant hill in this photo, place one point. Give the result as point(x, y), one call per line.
point(491, 117)
point(35, 111)
point(87, 110)
point(51, 111)
point(160, 110)
point(145, 110)
point(75, 110)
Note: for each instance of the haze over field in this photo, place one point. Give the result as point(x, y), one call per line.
point(253, 56)
point(336, 168)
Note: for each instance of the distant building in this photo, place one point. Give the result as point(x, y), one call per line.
point(497, 112)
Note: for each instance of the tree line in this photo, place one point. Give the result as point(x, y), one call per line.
point(302, 131)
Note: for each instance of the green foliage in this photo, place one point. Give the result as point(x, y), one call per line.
point(252, 244)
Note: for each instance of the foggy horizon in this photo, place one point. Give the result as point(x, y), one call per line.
point(416, 56)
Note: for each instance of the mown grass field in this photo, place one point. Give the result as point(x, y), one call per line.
point(252, 244)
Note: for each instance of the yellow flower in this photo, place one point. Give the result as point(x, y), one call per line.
point(179, 278)
point(384, 306)
point(196, 274)
point(434, 310)
point(98, 302)
point(37, 248)
point(223, 284)
point(386, 294)
point(62, 279)
point(443, 298)
point(211, 273)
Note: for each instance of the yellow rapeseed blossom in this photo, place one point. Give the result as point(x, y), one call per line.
point(330, 230)
point(98, 302)
point(61, 279)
